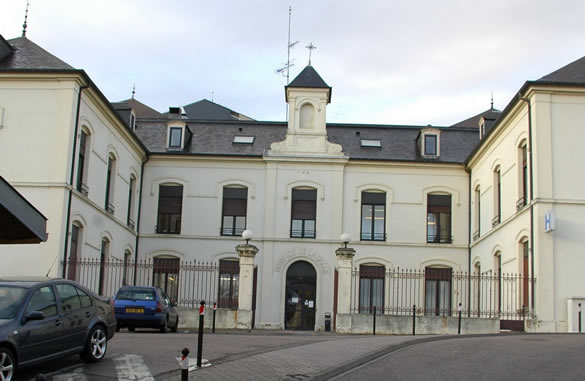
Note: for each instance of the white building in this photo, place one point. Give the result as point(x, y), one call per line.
point(439, 201)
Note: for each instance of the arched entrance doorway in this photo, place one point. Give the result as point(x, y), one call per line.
point(301, 286)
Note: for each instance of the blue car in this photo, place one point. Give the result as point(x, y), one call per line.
point(145, 307)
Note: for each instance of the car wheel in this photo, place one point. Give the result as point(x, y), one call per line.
point(96, 345)
point(7, 364)
point(131, 329)
point(176, 327)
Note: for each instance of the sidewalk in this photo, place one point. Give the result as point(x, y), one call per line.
point(321, 357)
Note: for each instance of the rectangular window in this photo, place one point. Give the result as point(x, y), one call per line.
point(497, 198)
point(234, 211)
point(371, 289)
point(524, 175)
point(72, 270)
point(175, 137)
point(103, 256)
point(477, 232)
point(166, 275)
point(81, 163)
point(430, 145)
point(229, 275)
point(373, 216)
point(131, 191)
point(439, 218)
point(438, 292)
point(304, 211)
point(243, 139)
point(170, 208)
point(371, 143)
point(109, 186)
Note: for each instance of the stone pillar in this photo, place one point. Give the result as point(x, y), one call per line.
point(344, 267)
point(246, 253)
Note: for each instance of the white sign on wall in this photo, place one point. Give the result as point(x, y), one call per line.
point(549, 221)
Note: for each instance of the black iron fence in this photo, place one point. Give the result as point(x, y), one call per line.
point(186, 282)
point(441, 292)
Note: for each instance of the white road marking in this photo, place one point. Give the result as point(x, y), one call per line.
point(132, 367)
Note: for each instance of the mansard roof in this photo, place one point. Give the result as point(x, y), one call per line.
point(398, 143)
point(27, 55)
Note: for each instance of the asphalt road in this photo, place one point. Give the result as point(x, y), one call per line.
point(506, 357)
point(151, 355)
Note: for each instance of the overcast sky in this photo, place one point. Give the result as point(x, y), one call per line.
point(389, 61)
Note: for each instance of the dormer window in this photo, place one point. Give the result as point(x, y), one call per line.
point(243, 139)
point(132, 120)
point(176, 137)
point(429, 144)
point(481, 128)
point(371, 143)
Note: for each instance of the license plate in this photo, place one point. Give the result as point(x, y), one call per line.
point(135, 310)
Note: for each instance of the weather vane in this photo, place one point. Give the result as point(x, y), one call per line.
point(311, 47)
point(25, 17)
point(133, 90)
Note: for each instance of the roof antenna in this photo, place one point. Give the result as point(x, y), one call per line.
point(25, 17)
point(133, 90)
point(311, 47)
point(212, 93)
point(286, 67)
point(492, 104)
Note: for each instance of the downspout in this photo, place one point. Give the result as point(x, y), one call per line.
point(468, 170)
point(68, 218)
point(530, 158)
point(138, 220)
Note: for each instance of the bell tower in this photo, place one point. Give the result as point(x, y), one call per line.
point(306, 135)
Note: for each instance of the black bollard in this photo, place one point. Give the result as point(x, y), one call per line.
point(413, 319)
point(185, 364)
point(459, 322)
point(214, 309)
point(374, 320)
point(200, 336)
point(579, 317)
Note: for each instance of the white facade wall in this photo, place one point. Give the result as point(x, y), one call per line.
point(36, 152)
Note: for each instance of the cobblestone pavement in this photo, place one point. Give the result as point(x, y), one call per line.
point(313, 360)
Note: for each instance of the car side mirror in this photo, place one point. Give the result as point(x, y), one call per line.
point(35, 315)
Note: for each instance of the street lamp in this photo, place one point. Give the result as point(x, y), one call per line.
point(345, 238)
point(247, 235)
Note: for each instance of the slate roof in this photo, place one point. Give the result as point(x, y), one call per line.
point(29, 56)
point(308, 78)
point(140, 109)
point(489, 115)
point(571, 73)
point(208, 110)
point(398, 143)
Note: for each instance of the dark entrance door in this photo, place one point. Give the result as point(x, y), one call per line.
point(301, 285)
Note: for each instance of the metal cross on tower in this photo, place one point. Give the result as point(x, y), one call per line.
point(311, 47)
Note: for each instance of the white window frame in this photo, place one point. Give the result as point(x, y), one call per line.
point(170, 128)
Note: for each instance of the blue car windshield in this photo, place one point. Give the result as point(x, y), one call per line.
point(135, 294)
point(10, 300)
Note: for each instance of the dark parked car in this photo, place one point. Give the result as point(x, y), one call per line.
point(43, 318)
point(145, 307)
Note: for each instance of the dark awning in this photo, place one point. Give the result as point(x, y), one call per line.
point(20, 222)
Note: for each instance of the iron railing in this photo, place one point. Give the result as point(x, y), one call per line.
point(438, 292)
point(186, 282)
